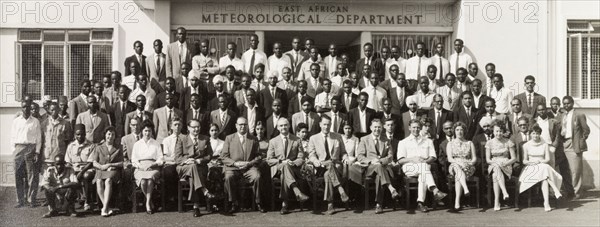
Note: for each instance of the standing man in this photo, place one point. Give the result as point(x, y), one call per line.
point(490, 71)
point(272, 92)
point(411, 114)
point(252, 111)
point(467, 114)
point(78, 104)
point(555, 111)
point(194, 111)
point(361, 116)
point(112, 92)
point(156, 67)
point(424, 96)
point(278, 61)
point(224, 117)
point(473, 71)
point(314, 86)
point(178, 53)
point(376, 93)
point(272, 119)
point(288, 84)
point(323, 99)
point(241, 159)
point(478, 96)
point(459, 59)
point(307, 65)
point(286, 157)
point(163, 116)
point(26, 140)
point(372, 60)
point(253, 56)
point(516, 113)
point(231, 59)
point(575, 132)
point(398, 95)
point(139, 112)
point(295, 102)
point(94, 120)
point(501, 94)
point(450, 93)
point(296, 56)
point(119, 112)
point(439, 115)
point(395, 59)
point(146, 91)
point(349, 99)
point(530, 98)
point(463, 82)
point(338, 119)
point(327, 153)
point(170, 87)
point(57, 134)
point(138, 48)
point(441, 64)
point(205, 63)
point(331, 61)
point(417, 65)
point(240, 94)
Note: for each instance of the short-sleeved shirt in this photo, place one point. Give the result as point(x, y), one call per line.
point(412, 146)
point(78, 154)
point(53, 179)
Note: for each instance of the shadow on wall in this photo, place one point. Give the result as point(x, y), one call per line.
point(588, 173)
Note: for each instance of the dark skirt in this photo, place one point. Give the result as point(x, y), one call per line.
point(114, 175)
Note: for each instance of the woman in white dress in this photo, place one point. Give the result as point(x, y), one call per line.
point(462, 158)
point(500, 155)
point(536, 156)
point(147, 158)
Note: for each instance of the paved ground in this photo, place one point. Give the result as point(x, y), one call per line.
point(584, 212)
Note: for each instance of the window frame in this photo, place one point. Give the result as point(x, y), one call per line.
point(572, 35)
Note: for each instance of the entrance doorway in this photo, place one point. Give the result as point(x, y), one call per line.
point(347, 42)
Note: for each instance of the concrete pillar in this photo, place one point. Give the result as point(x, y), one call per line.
point(261, 39)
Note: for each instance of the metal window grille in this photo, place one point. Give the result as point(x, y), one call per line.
point(408, 42)
point(583, 62)
point(218, 41)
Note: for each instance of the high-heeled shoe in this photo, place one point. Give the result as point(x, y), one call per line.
point(547, 207)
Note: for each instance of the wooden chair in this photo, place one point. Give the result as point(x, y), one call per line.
point(158, 186)
point(412, 183)
point(276, 187)
point(368, 185)
point(471, 181)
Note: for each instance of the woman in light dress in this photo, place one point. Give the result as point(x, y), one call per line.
point(500, 155)
point(462, 158)
point(147, 158)
point(536, 156)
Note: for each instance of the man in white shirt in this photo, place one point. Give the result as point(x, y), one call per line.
point(574, 132)
point(323, 99)
point(26, 141)
point(417, 65)
point(331, 62)
point(434, 83)
point(459, 59)
point(395, 59)
point(415, 154)
point(442, 64)
point(339, 75)
point(231, 59)
point(473, 71)
point(278, 61)
point(305, 68)
point(376, 93)
point(490, 71)
point(205, 63)
point(254, 56)
point(131, 79)
point(296, 56)
point(424, 96)
point(501, 94)
point(449, 92)
point(143, 89)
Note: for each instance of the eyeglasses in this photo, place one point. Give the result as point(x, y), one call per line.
point(522, 125)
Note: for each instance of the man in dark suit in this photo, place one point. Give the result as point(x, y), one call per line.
point(391, 83)
point(95, 122)
point(192, 154)
point(360, 117)
point(272, 92)
point(218, 84)
point(178, 52)
point(388, 114)
point(370, 59)
point(349, 99)
point(118, 111)
point(138, 57)
point(272, 119)
point(295, 104)
point(489, 111)
point(288, 84)
point(338, 119)
point(169, 89)
point(555, 111)
point(139, 112)
point(467, 114)
point(438, 115)
point(286, 157)
point(530, 99)
point(103, 102)
point(224, 117)
point(516, 113)
point(196, 87)
point(230, 84)
point(479, 141)
point(399, 94)
point(575, 132)
point(411, 114)
point(241, 159)
point(156, 68)
point(307, 116)
point(162, 118)
point(252, 111)
point(196, 112)
point(78, 104)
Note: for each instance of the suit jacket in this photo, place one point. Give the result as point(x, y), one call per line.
point(436, 128)
point(184, 100)
point(354, 119)
point(117, 117)
point(265, 99)
point(353, 102)
point(294, 104)
point(239, 96)
point(203, 149)
point(580, 133)
point(213, 104)
point(461, 115)
point(517, 138)
point(159, 75)
point(327, 71)
point(376, 66)
point(537, 100)
point(142, 64)
point(173, 64)
point(77, 105)
point(341, 121)
point(276, 152)
point(227, 127)
point(479, 141)
point(161, 122)
point(397, 121)
point(272, 130)
point(496, 116)
point(313, 128)
point(387, 85)
point(368, 152)
point(514, 127)
point(94, 132)
point(297, 64)
point(316, 148)
point(397, 108)
point(145, 116)
point(260, 113)
point(127, 143)
point(405, 123)
point(203, 117)
point(162, 99)
point(234, 88)
point(291, 87)
point(311, 90)
point(234, 150)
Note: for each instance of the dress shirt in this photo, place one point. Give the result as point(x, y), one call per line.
point(225, 61)
point(476, 99)
point(208, 62)
point(305, 69)
point(150, 97)
point(503, 98)
point(129, 81)
point(412, 67)
point(400, 62)
point(26, 131)
point(182, 51)
point(254, 85)
point(259, 57)
point(275, 119)
point(424, 100)
point(334, 117)
point(413, 146)
point(463, 61)
point(323, 99)
point(545, 126)
point(362, 114)
point(375, 97)
point(337, 80)
point(277, 64)
point(169, 147)
point(217, 146)
point(451, 96)
point(445, 66)
point(251, 116)
point(567, 125)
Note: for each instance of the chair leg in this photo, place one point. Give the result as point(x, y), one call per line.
point(273, 195)
point(478, 194)
point(163, 196)
point(529, 194)
point(134, 200)
point(407, 192)
point(179, 197)
point(516, 196)
point(366, 190)
point(489, 193)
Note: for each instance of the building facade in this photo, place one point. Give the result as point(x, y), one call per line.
point(49, 47)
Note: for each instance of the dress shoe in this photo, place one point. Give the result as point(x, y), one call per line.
point(284, 210)
point(71, 211)
point(50, 214)
point(330, 209)
point(439, 195)
point(232, 208)
point(301, 197)
point(344, 197)
point(260, 208)
point(396, 195)
point(196, 212)
point(378, 209)
point(422, 207)
point(209, 195)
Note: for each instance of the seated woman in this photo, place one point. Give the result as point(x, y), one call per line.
point(500, 155)
point(263, 141)
point(215, 170)
point(107, 159)
point(351, 145)
point(215, 142)
point(147, 158)
point(462, 158)
point(536, 156)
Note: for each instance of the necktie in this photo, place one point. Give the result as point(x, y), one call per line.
point(375, 103)
point(137, 137)
point(157, 64)
point(530, 99)
point(252, 62)
point(401, 96)
point(468, 112)
point(306, 121)
point(377, 146)
point(285, 147)
point(196, 114)
point(169, 118)
point(328, 156)
point(331, 67)
point(258, 86)
point(123, 111)
point(335, 123)
point(450, 96)
point(223, 119)
point(441, 68)
point(439, 117)
point(273, 92)
point(456, 66)
point(195, 144)
point(140, 115)
point(419, 68)
point(526, 137)
point(243, 141)
point(178, 146)
point(368, 61)
point(326, 99)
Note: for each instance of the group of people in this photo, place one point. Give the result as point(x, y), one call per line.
point(218, 122)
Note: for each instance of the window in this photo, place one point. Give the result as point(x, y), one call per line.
point(583, 59)
point(54, 62)
point(217, 41)
point(408, 42)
